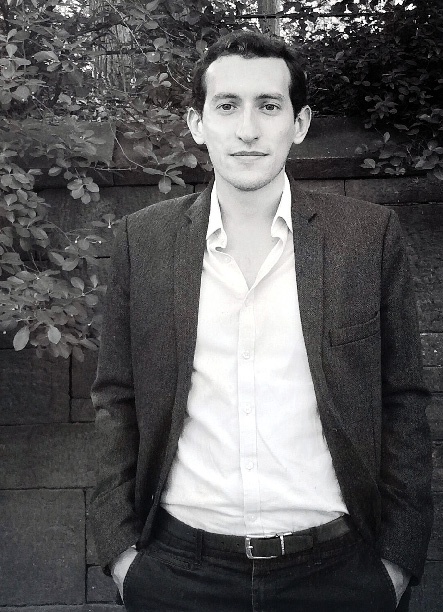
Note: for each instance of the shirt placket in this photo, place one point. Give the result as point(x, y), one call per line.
point(247, 414)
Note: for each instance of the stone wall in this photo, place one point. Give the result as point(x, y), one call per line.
point(48, 562)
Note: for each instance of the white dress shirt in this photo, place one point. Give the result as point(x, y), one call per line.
point(252, 458)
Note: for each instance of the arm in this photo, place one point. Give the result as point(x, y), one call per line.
point(405, 474)
point(116, 525)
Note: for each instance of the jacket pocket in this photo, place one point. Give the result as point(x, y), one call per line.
point(353, 333)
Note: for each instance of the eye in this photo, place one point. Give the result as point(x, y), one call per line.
point(270, 107)
point(226, 106)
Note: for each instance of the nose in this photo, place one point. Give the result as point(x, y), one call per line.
point(248, 129)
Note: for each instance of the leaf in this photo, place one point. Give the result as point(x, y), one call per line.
point(11, 49)
point(56, 258)
point(70, 264)
point(368, 163)
point(55, 171)
point(54, 334)
point(78, 354)
point(164, 184)
point(42, 56)
point(21, 339)
point(22, 93)
point(77, 282)
point(159, 42)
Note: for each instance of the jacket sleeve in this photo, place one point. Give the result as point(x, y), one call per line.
point(115, 523)
point(405, 476)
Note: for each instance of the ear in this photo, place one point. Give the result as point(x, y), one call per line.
point(301, 124)
point(195, 125)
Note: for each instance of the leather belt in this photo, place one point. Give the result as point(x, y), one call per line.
point(256, 546)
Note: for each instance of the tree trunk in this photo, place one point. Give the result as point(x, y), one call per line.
point(269, 7)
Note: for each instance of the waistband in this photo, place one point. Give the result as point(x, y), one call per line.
point(252, 546)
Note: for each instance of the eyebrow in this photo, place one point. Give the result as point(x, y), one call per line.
point(231, 96)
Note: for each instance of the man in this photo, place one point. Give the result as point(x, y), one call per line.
point(261, 413)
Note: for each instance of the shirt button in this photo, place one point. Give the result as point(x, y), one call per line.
point(247, 408)
point(249, 465)
point(246, 354)
point(252, 517)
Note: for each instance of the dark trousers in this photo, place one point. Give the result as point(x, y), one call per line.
point(179, 574)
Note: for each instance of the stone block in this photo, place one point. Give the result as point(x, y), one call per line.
point(61, 608)
point(395, 190)
point(83, 374)
point(435, 416)
point(43, 547)
point(100, 588)
point(70, 215)
point(432, 346)
point(33, 390)
point(430, 311)
point(82, 411)
point(435, 551)
point(428, 595)
point(325, 186)
point(53, 456)
point(423, 226)
point(434, 379)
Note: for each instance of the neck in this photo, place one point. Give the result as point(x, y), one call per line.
point(256, 205)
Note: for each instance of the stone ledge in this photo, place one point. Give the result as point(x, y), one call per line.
point(395, 190)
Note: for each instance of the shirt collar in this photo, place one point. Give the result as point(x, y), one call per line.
point(282, 218)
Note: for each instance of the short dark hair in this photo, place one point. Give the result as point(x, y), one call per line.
point(250, 44)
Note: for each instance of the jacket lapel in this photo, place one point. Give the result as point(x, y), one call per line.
point(308, 251)
point(188, 262)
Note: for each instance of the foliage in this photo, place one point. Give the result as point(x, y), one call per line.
point(67, 65)
point(385, 70)
point(64, 64)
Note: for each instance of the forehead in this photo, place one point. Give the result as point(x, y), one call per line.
point(247, 77)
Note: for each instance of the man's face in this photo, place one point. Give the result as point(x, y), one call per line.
point(248, 123)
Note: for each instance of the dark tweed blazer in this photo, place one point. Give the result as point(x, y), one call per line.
point(359, 321)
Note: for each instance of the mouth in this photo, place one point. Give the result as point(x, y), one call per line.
point(249, 154)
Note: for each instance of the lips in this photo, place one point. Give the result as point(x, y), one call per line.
point(249, 154)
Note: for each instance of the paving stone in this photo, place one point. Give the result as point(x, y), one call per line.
point(70, 215)
point(82, 411)
point(54, 456)
point(83, 374)
point(43, 547)
point(435, 416)
point(33, 390)
point(434, 379)
point(432, 345)
point(395, 190)
point(100, 588)
point(435, 551)
point(428, 595)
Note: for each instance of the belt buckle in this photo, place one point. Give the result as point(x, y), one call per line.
point(249, 547)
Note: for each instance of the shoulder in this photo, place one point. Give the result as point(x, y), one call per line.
point(342, 215)
point(159, 216)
